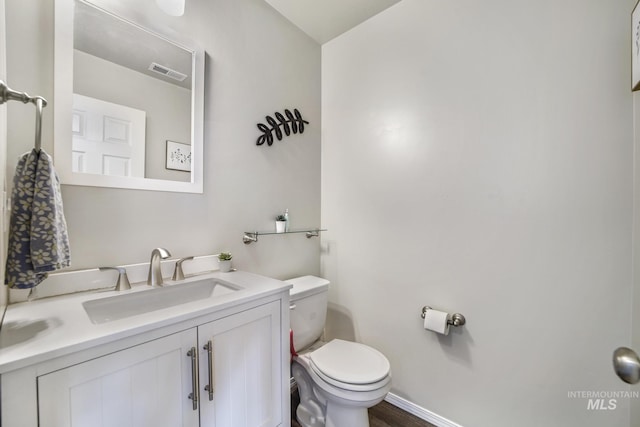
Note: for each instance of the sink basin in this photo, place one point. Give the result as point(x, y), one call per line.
point(131, 304)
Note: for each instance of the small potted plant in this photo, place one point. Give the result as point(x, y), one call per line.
point(224, 261)
point(281, 223)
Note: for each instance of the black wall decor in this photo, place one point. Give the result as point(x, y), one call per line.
point(293, 122)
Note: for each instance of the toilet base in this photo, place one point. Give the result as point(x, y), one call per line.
point(336, 416)
point(340, 416)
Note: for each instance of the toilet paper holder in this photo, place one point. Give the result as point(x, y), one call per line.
point(455, 319)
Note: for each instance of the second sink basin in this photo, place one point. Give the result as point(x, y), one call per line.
point(131, 304)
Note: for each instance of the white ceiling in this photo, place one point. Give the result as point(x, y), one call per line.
point(325, 19)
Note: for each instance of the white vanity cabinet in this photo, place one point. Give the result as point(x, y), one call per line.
point(239, 383)
point(241, 378)
point(142, 386)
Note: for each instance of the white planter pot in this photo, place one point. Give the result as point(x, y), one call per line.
point(225, 266)
point(280, 226)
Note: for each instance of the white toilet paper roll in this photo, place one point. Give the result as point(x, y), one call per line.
point(436, 321)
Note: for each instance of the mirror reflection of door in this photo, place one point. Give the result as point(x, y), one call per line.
point(119, 62)
point(108, 139)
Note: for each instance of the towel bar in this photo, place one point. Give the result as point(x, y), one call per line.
point(8, 94)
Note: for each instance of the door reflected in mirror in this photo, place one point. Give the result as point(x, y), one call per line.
point(108, 138)
point(130, 91)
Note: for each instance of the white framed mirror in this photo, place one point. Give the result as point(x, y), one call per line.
point(128, 103)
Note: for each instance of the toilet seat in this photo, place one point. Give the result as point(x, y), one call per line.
point(351, 366)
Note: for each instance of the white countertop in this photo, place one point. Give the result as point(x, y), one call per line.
point(39, 330)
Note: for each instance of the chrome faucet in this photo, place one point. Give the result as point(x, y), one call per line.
point(178, 273)
point(155, 272)
point(123, 281)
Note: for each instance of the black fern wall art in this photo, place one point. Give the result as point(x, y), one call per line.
point(289, 122)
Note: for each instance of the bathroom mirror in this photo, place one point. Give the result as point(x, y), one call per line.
point(128, 103)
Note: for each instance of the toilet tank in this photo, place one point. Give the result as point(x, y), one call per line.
point(309, 297)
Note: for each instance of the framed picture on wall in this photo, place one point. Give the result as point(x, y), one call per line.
point(178, 156)
point(635, 48)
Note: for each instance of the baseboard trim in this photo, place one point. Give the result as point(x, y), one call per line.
point(419, 411)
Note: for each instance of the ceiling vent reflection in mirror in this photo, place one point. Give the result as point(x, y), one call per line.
point(166, 71)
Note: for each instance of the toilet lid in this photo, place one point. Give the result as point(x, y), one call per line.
point(350, 362)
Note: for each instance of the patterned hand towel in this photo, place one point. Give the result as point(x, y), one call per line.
point(38, 241)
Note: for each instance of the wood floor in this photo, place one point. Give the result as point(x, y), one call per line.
point(383, 414)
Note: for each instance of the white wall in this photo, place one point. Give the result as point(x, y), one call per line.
point(257, 63)
point(477, 157)
point(108, 81)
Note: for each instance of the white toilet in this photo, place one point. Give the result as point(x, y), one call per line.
point(339, 380)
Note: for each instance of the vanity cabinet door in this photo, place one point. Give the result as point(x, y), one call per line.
point(145, 385)
point(244, 371)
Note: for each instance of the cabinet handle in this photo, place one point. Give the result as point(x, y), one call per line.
point(209, 387)
point(193, 354)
